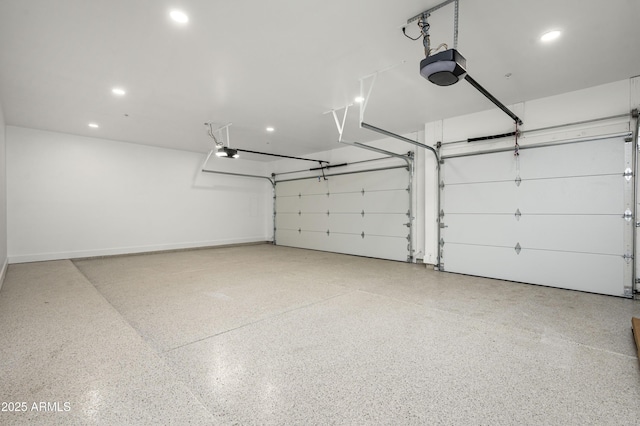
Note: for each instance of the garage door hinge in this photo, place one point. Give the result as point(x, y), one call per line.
point(628, 215)
point(628, 174)
point(408, 225)
point(628, 257)
point(442, 184)
point(442, 225)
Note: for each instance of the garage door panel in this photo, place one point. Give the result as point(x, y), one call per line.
point(289, 189)
point(386, 201)
point(593, 195)
point(384, 224)
point(314, 203)
point(583, 159)
point(346, 243)
point(319, 241)
point(288, 204)
point(492, 230)
point(575, 271)
point(500, 167)
point(314, 187)
point(585, 234)
point(480, 198)
point(588, 234)
point(385, 248)
point(352, 223)
point(593, 273)
point(376, 180)
point(346, 202)
point(314, 222)
point(286, 220)
point(308, 240)
point(372, 224)
point(303, 186)
point(486, 261)
point(347, 183)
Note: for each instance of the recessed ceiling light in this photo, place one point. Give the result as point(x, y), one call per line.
point(93, 125)
point(118, 91)
point(179, 16)
point(270, 129)
point(550, 36)
point(359, 99)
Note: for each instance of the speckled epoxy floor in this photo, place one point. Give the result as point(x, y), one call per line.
point(274, 335)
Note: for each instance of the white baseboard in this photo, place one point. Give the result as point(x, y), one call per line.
point(42, 257)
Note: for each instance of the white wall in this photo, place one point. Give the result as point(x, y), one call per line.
point(592, 103)
point(3, 200)
point(70, 196)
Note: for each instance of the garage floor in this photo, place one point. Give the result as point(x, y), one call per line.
point(273, 335)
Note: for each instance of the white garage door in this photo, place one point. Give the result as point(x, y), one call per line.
point(553, 216)
point(363, 213)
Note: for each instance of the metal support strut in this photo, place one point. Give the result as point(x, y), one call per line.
point(424, 15)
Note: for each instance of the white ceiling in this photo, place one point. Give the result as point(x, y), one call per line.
point(284, 63)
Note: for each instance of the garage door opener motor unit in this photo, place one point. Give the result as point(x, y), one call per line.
point(447, 67)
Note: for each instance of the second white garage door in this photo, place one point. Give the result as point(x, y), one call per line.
point(553, 215)
point(363, 213)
